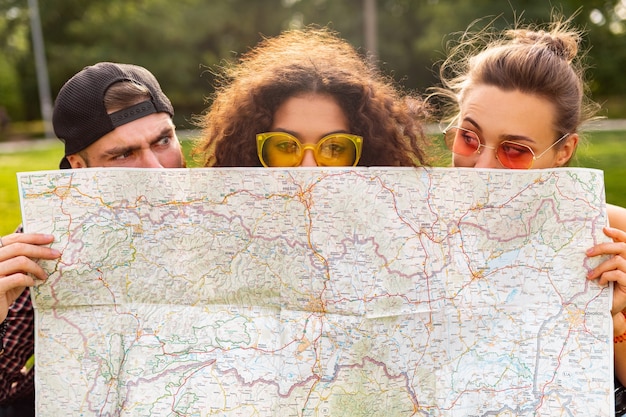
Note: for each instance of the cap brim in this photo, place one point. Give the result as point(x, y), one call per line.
point(65, 164)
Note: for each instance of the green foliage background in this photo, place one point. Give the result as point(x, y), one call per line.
point(182, 42)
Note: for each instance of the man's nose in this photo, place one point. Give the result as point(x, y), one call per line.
point(150, 160)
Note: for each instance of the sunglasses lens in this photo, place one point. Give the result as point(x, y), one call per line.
point(284, 150)
point(281, 151)
point(462, 142)
point(336, 150)
point(515, 155)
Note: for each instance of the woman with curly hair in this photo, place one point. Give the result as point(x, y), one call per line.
point(309, 90)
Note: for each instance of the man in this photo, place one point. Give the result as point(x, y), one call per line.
point(108, 115)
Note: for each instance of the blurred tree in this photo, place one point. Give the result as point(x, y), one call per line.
point(606, 41)
point(14, 36)
point(183, 41)
point(177, 42)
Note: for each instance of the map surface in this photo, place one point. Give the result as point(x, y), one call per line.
point(320, 292)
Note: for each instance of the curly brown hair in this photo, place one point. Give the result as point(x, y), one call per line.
point(310, 60)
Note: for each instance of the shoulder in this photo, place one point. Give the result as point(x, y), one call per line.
point(617, 216)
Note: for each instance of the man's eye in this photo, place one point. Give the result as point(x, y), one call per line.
point(125, 155)
point(165, 140)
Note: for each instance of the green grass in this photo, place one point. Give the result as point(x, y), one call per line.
point(606, 151)
point(602, 150)
point(10, 163)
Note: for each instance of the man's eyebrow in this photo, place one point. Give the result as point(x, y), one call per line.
point(120, 150)
point(166, 131)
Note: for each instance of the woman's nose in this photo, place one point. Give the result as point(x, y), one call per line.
point(487, 159)
point(309, 159)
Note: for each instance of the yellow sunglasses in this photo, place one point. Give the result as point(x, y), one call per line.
point(280, 149)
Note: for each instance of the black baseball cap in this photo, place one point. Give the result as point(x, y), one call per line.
point(80, 117)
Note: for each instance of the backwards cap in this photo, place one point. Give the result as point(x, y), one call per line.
point(80, 117)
